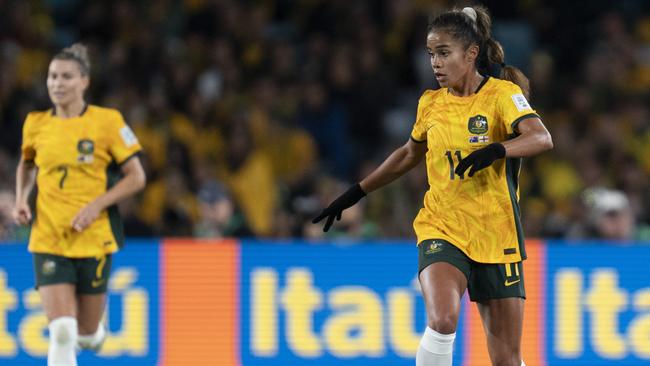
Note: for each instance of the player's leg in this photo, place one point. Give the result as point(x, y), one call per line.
point(499, 292)
point(503, 322)
point(90, 312)
point(55, 280)
point(443, 285)
point(93, 276)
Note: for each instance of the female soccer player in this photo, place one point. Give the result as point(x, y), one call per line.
point(76, 153)
point(469, 234)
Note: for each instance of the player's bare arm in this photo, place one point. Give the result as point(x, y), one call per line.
point(133, 181)
point(533, 139)
point(25, 178)
point(397, 164)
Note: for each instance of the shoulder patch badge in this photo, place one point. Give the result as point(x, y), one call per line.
point(128, 137)
point(478, 125)
point(520, 102)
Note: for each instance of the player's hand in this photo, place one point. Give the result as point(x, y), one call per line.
point(86, 216)
point(22, 214)
point(335, 209)
point(481, 158)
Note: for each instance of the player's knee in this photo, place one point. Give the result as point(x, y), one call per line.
point(507, 359)
point(444, 324)
point(63, 337)
point(63, 331)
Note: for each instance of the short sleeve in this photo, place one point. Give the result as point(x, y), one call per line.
point(123, 142)
point(419, 132)
point(514, 108)
point(28, 147)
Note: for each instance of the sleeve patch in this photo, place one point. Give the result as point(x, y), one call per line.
point(128, 136)
point(520, 102)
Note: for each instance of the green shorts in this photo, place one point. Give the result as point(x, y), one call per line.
point(484, 280)
point(90, 275)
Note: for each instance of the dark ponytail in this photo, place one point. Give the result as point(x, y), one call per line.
point(462, 25)
point(494, 51)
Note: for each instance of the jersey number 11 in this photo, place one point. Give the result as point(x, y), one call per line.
point(452, 174)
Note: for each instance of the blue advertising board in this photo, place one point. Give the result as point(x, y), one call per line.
point(599, 304)
point(132, 313)
point(324, 304)
point(297, 302)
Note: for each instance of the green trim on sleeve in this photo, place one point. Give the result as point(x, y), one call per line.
point(514, 124)
point(137, 153)
point(417, 141)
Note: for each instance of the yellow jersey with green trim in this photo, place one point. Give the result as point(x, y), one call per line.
point(77, 160)
point(479, 214)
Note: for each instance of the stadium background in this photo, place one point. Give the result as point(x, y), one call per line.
point(254, 114)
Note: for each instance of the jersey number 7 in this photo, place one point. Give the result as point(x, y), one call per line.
point(64, 169)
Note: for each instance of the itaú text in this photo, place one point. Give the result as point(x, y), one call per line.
point(355, 321)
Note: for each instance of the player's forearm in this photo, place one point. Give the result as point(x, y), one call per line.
point(129, 185)
point(528, 144)
point(25, 177)
point(396, 165)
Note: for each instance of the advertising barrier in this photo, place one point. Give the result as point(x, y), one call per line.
point(241, 303)
point(133, 310)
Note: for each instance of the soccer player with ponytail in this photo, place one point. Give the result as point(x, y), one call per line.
point(77, 162)
point(473, 132)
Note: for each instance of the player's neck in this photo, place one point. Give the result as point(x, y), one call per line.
point(72, 110)
point(469, 86)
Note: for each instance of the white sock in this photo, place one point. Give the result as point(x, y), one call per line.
point(63, 338)
point(522, 363)
point(92, 341)
point(435, 349)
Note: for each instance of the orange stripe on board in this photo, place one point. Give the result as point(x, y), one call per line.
point(534, 332)
point(533, 343)
point(200, 313)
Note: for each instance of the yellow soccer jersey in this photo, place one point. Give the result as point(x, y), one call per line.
point(77, 161)
point(479, 214)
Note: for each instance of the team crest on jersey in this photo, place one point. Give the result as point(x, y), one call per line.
point(86, 148)
point(434, 247)
point(478, 125)
point(49, 267)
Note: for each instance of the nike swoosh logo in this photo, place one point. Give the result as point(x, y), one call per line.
point(508, 283)
point(96, 283)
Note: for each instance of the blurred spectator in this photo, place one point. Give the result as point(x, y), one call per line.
point(218, 217)
point(249, 176)
point(133, 225)
point(282, 101)
point(7, 226)
point(609, 216)
point(326, 120)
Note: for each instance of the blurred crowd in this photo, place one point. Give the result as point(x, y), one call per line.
point(256, 114)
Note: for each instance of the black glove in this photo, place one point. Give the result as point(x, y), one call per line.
point(481, 158)
point(346, 200)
